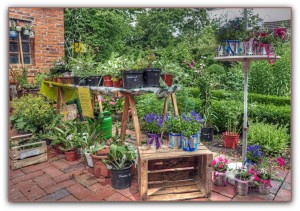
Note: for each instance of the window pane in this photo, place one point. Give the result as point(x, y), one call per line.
point(26, 47)
point(24, 37)
point(27, 59)
point(13, 58)
point(13, 47)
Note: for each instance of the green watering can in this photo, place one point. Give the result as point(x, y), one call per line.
point(106, 124)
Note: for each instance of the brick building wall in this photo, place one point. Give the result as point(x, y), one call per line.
point(48, 42)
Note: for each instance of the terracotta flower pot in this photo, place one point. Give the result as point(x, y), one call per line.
point(59, 80)
point(118, 83)
point(107, 81)
point(71, 155)
point(99, 168)
point(54, 79)
point(167, 78)
point(68, 80)
point(58, 150)
point(230, 140)
point(219, 178)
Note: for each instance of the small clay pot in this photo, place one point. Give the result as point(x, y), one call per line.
point(71, 155)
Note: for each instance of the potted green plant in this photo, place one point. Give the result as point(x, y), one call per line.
point(69, 137)
point(92, 139)
point(242, 178)
point(191, 125)
point(12, 29)
point(174, 127)
point(26, 29)
point(220, 166)
point(102, 153)
point(153, 124)
point(119, 161)
point(151, 71)
point(132, 72)
point(58, 68)
point(18, 27)
point(168, 71)
point(231, 136)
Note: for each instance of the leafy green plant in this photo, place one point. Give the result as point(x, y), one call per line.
point(92, 136)
point(67, 134)
point(174, 124)
point(120, 156)
point(59, 67)
point(273, 139)
point(191, 124)
point(85, 66)
point(243, 174)
point(31, 114)
point(12, 25)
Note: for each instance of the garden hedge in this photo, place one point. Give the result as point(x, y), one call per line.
point(252, 97)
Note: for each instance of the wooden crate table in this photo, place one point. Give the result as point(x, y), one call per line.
point(174, 174)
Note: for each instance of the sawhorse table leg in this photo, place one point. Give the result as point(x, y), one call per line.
point(129, 100)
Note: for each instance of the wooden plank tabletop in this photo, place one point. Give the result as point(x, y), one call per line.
point(170, 153)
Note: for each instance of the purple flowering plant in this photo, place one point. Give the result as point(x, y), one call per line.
point(191, 124)
point(254, 154)
point(153, 123)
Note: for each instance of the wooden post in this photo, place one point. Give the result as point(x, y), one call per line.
point(93, 101)
point(165, 107)
point(63, 102)
point(100, 103)
point(124, 116)
point(143, 178)
point(135, 118)
point(174, 103)
point(58, 101)
point(21, 49)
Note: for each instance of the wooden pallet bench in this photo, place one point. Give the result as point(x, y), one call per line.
point(26, 154)
point(174, 175)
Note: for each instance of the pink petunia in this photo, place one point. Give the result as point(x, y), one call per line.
point(220, 159)
point(112, 103)
point(280, 161)
point(226, 161)
point(214, 162)
point(102, 99)
point(220, 166)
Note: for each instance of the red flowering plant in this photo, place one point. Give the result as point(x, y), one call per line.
point(220, 164)
point(266, 36)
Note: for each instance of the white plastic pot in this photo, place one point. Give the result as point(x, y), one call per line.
point(89, 159)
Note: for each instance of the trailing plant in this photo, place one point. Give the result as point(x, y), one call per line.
point(60, 66)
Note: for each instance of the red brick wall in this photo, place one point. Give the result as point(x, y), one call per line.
point(48, 42)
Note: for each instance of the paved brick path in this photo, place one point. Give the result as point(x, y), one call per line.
point(60, 180)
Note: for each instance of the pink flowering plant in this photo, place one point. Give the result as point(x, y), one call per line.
point(112, 104)
point(220, 164)
point(265, 170)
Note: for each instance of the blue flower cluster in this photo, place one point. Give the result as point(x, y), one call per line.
point(154, 118)
point(255, 150)
point(197, 116)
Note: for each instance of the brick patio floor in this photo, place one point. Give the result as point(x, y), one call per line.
point(60, 180)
